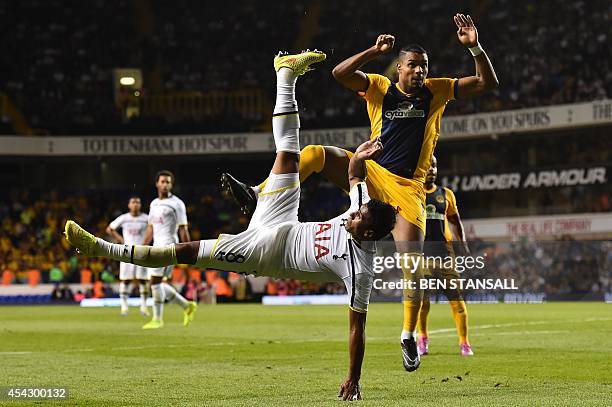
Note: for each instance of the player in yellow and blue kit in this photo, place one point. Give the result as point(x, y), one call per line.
point(444, 228)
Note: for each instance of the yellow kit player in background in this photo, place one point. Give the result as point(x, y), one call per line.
point(443, 227)
point(405, 117)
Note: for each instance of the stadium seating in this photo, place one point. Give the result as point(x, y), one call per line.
point(64, 56)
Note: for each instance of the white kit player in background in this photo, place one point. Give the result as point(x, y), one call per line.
point(276, 244)
point(133, 226)
point(167, 225)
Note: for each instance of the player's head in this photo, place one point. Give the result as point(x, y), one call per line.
point(134, 205)
point(432, 173)
point(412, 66)
point(372, 221)
point(163, 182)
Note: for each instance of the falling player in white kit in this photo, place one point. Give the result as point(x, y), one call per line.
point(133, 226)
point(276, 244)
point(167, 225)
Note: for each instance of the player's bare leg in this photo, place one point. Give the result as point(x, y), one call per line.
point(409, 241)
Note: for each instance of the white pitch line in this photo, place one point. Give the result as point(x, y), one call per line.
point(16, 353)
point(514, 333)
point(511, 324)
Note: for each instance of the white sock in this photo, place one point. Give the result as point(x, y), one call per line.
point(142, 288)
point(159, 296)
point(173, 296)
point(147, 256)
point(407, 335)
point(123, 295)
point(285, 120)
point(285, 91)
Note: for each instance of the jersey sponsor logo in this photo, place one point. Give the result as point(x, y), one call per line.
point(320, 249)
point(432, 213)
point(341, 257)
point(157, 220)
point(405, 110)
point(134, 231)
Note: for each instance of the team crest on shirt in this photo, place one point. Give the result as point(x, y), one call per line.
point(440, 199)
point(404, 110)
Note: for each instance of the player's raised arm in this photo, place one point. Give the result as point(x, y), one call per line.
point(347, 72)
point(484, 79)
point(357, 168)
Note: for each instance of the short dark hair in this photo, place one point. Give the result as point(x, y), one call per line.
point(162, 173)
point(133, 196)
point(383, 218)
point(412, 48)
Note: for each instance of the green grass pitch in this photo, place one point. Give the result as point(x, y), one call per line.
point(546, 354)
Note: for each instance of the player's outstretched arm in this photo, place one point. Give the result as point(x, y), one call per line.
point(349, 389)
point(347, 72)
point(484, 79)
point(357, 168)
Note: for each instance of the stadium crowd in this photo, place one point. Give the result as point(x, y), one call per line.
point(64, 56)
point(559, 267)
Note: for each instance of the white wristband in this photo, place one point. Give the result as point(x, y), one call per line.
point(477, 50)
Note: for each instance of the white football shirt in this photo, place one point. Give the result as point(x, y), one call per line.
point(133, 228)
point(166, 215)
point(329, 247)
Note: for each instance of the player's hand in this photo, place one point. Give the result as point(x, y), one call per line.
point(466, 30)
point(350, 390)
point(369, 150)
point(384, 43)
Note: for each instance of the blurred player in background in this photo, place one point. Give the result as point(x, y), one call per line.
point(276, 244)
point(443, 227)
point(167, 225)
point(133, 227)
point(405, 117)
